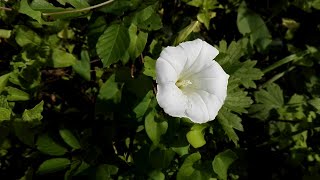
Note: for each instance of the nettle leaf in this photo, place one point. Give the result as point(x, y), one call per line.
point(249, 22)
point(149, 67)
point(266, 100)
point(33, 114)
point(47, 145)
point(147, 19)
point(155, 127)
point(191, 168)
point(247, 74)
point(113, 44)
point(222, 161)
point(53, 165)
point(196, 135)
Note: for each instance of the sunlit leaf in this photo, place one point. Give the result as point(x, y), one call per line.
point(222, 161)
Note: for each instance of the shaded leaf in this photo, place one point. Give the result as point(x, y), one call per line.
point(149, 67)
point(189, 170)
point(82, 67)
point(61, 58)
point(15, 94)
point(155, 128)
point(222, 161)
point(69, 138)
point(53, 165)
point(47, 145)
point(33, 114)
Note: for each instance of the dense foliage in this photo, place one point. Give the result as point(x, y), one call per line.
point(77, 84)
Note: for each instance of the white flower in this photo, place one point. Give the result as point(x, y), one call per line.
point(189, 82)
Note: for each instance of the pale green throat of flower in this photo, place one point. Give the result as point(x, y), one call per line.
point(183, 83)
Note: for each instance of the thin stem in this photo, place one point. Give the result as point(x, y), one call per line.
point(78, 10)
point(292, 57)
point(5, 9)
point(278, 76)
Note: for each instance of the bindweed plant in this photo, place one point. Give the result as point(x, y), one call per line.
point(184, 89)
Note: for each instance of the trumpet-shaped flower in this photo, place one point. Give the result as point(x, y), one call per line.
point(189, 82)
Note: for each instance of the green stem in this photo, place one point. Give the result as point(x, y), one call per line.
point(5, 9)
point(277, 76)
point(78, 10)
point(292, 57)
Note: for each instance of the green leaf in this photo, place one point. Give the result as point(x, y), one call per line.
point(247, 74)
point(229, 122)
point(315, 103)
point(109, 90)
point(3, 81)
point(76, 3)
point(69, 138)
point(44, 6)
point(249, 22)
point(5, 33)
point(149, 67)
point(147, 19)
point(196, 135)
point(27, 10)
point(156, 175)
point(112, 44)
point(143, 106)
point(47, 145)
point(155, 127)
point(25, 36)
point(82, 67)
point(61, 58)
point(222, 161)
point(105, 171)
point(5, 114)
point(185, 32)
point(53, 165)
point(138, 41)
point(161, 157)
point(33, 114)
point(237, 100)
point(15, 94)
point(190, 170)
point(205, 17)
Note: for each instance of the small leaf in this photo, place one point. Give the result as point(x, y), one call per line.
point(5, 33)
point(27, 10)
point(69, 138)
point(109, 89)
point(222, 161)
point(161, 157)
point(196, 135)
point(190, 169)
point(15, 94)
point(143, 106)
point(147, 19)
point(33, 114)
point(138, 41)
point(82, 67)
point(149, 67)
point(155, 128)
point(25, 36)
point(156, 175)
point(61, 58)
point(105, 171)
point(112, 44)
point(185, 32)
point(205, 17)
point(3, 81)
point(229, 122)
point(47, 145)
point(5, 114)
point(53, 165)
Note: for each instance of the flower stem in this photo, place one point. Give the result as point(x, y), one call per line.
point(78, 10)
point(5, 9)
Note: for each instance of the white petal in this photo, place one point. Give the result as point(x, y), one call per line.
point(199, 54)
point(198, 111)
point(165, 72)
point(212, 80)
point(172, 100)
point(170, 56)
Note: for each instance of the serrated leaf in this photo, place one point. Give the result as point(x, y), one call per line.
point(155, 128)
point(147, 19)
point(222, 161)
point(237, 101)
point(113, 44)
point(247, 74)
point(25, 36)
point(33, 114)
point(315, 103)
point(53, 165)
point(69, 138)
point(5, 114)
point(61, 58)
point(149, 67)
point(229, 60)
point(196, 135)
point(138, 41)
point(188, 170)
point(82, 67)
point(229, 122)
point(47, 145)
point(249, 22)
point(271, 97)
point(15, 94)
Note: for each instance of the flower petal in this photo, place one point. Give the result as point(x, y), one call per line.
point(172, 100)
point(165, 72)
point(199, 54)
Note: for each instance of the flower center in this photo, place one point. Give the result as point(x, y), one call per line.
point(183, 83)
